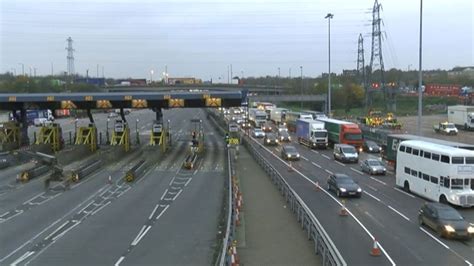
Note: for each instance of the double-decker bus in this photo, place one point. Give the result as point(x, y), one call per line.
point(436, 172)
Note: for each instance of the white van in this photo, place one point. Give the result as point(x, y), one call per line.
point(345, 153)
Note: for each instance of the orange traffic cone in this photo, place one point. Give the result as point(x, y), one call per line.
point(343, 211)
point(317, 187)
point(375, 249)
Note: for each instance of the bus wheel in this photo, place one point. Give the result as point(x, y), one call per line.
point(406, 186)
point(442, 199)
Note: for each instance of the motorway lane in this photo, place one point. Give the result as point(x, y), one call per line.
point(350, 238)
point(8, 178)
point(389, 208)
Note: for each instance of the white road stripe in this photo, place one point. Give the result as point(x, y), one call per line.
point(325, 156)
point(119, 261)
point(164, 194)
point(371, 187)
point(163, 211)
point(340, 163)
point(376, 179)
point(177, 194)
point(139, 234)
point(468, 263)
point(59, 228)
point(329, 172)
point(100, 208)
point(399, 213)
point(317, 152)
point(437, 240)
point(143, 234)
point(187, 182)
point(65, 231)
point(315, 164)
point(399, 190)
point(23, 257)
point(357, 171)
point(304, 158)
point(377, 199)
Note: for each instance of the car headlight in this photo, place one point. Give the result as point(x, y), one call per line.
point(449, 228)
point(373, 169)
point(289, 138)
point(342, 189)
point(288, 155)
point(360, 149)
point(385, 169)
point(268, 141)
point(454, 198)
point(276, 141)
point(298, 155)
point(370, 148)
point(470, 229)
point(359, 190)
point(281, 138)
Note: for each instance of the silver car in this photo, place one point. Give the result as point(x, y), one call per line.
point(258, 133)
point(373, 167)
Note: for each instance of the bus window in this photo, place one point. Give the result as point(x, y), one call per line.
point(446, 182)
point(434, 179)
point(414, 173)
point(466, 182)
point(469, 160)
point(457, 160)
point(407, 170)
point(408, 150)
point(426, 177)
point(444, 159)
point(420, 175)
point(435, 157)
point(402, 148)
point(421, 153)
point(415, 152)
point(456, 183)
point(427, 155)
point(472, 183)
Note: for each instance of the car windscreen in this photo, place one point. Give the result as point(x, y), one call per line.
point(348, 150)
point(370, 143)
point(284, 134)
point(320, 134)
point(290, 149)
point(345, 181)
point(270, 136)
point(449, 214)
point(374, 163)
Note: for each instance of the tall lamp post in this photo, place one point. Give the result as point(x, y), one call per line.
point(301, 90)
point(136, 130)
point(75, 128)
point(329, 16)
point(420, 93)
point(107, 132)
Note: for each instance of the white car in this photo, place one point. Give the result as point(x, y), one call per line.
point(258, 133)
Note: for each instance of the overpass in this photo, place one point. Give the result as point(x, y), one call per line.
point(289, 98)
point(197, 87)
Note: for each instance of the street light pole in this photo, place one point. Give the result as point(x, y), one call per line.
point(329, 16)
point(136, 131)
point(301, 91)
point(420, 92)
point(107, 133)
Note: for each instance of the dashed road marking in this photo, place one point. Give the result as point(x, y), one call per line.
point(119, 261)
point(327, 171)
point(371, 187)
point(340, 163)
point(376, 179)
point(304, 158)
point(433, 237)
point(315, 164)
point(408, 194)
point(325, 156)
point(374, 197)
point(399, 213)
point(357, 171)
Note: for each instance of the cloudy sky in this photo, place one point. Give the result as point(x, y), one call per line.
point(202, 38)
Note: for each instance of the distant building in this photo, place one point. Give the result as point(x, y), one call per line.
point(100, 82)
point(187, 81)
point(349, 72)
point(462, 71)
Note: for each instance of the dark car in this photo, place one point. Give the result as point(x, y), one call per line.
point(267, 127)
point(371, 147)
point(373, 167)
point(445, 220)
point(283, 136)
point(289, 152)
point(270, 139)
point(344, 185)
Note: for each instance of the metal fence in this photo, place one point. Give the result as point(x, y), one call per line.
point(323, 245)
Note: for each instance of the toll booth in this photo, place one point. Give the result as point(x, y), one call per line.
point(10, 134)
point(160, 136)
point(87, 136)
point(121, 135)
point(51, 134)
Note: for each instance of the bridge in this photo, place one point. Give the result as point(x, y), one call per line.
point(205, 87)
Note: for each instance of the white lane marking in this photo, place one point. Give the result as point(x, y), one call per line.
point(139, 234)
point(31, 199)
point(100, 208)
point(153, 212)
point(119, 261)
point(325, 156)
point(304, 158)
point(187, 182)
point(317, 152)
point(399, 213)
point(1, 216)
point(143, 234)
point(163, 211)
point(468, 263)
point(164, 194)
point(315, 164)
point(55, 231)
point(376, 179)
point(177, 194)
point(16, 214)
point(433, 237)
point(357, 171)
point(23, 257)
point(65, 231)
point(327, 171)
point(371, 187)
point(377, 199)
point(338, 202)
point(399, 190)
point(340, 163)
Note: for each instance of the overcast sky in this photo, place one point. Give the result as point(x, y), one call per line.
point(202, 37)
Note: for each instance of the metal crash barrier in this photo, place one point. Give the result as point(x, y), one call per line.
point(85, 169)
point(136, 171)
point(31, 173)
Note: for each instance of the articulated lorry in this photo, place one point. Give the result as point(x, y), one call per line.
point(278, 115)
point(462, 116)
point(257, 117)
point(311, 133)
point(35, 117)
point(343, 132)
point(291, 118)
